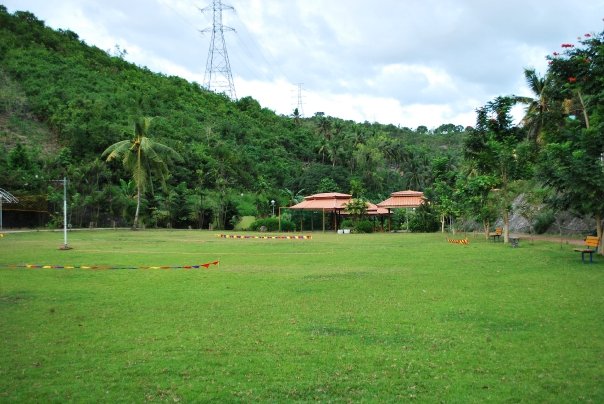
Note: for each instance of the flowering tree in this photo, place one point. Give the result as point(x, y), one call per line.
point(572, 160)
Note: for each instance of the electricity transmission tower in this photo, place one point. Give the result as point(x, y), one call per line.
point(218, 77)
point(300, 106)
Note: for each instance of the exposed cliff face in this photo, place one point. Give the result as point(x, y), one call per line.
point(565, 222)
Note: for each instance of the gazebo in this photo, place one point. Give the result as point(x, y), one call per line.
point(325, 202)
point(403, 200)
point(334, 202)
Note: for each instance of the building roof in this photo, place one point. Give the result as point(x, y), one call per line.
point(373, 209)
point(334, 201)
point(329, 201)
point(403, 199)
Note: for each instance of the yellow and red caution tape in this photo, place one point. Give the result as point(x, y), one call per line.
point(98, 267)
point(265, 237)
point(463, 241)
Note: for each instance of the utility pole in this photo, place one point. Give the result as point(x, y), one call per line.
point(65, 246)
point(218, 77)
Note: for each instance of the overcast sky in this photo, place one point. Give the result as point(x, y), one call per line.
point(405, 62)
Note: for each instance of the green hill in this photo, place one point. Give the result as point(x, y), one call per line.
point(62, 102)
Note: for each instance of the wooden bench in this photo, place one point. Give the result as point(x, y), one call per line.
point(496, 234)
point(591, 246)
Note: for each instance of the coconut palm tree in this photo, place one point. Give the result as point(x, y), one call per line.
point(143, 158)
point(536, 107)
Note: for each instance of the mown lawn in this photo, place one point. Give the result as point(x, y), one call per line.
point(382, 317)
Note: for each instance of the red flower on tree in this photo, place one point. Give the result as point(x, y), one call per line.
point(567, 45)
point(572, 79)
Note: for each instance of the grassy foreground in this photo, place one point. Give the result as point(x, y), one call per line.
point(383, 317)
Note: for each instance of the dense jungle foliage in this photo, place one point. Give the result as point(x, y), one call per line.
point(63, 103)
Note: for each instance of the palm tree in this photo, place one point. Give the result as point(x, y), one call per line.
point(143, 158)
point(536, 107)
point(293, 197)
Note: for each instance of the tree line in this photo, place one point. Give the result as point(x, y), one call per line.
point(63, 103)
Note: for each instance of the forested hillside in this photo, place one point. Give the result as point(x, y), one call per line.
point(63, 102)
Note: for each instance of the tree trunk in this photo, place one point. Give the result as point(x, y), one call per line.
point(442, 223)
point(138, 205)
point(506, 226)
point(599, 233)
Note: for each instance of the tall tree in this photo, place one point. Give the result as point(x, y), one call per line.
point(537, 106)
point(143, 158)
point(496, 149)
point(442, 193)
point(573, 159)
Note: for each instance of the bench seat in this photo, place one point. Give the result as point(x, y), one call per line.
point(591, 246)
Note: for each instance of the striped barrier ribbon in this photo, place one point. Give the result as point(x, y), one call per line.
point(463, 241)
point(37, 266)
point(265, 237)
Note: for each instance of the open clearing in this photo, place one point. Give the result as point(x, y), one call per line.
point(380, 317)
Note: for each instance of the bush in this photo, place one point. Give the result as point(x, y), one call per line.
point(543, 221)
point(424, 220)
point(346, 224)
point(287, 225)
point(363, 226)
point(399, 219)
point(272, 224)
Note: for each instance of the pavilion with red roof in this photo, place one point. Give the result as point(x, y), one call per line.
point(403, 200)
point(334, 202)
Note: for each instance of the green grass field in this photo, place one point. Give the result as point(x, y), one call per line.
point(374, 318)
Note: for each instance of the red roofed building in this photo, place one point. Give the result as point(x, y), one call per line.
point(333, 202)
point(403, 199)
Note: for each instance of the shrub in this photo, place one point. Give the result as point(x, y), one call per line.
point(272, 224)
point(363, 226)
point(424, 220)
point(399, 219)
point(543, 221)
point(346, 224)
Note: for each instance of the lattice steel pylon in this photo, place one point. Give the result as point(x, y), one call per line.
point(300, 106)
point(218, 77)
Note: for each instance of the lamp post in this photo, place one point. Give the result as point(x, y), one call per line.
point(273, 205)
point(64, 246)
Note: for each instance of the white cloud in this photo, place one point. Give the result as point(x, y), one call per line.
point(412, 62)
